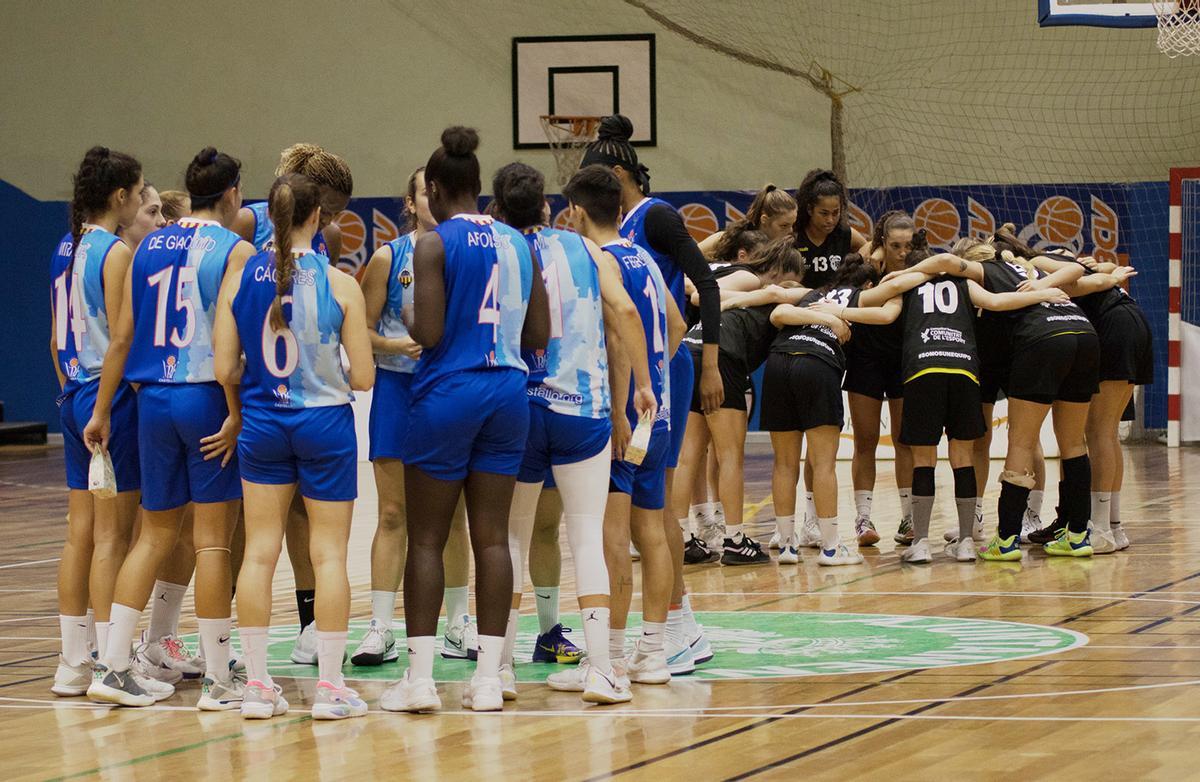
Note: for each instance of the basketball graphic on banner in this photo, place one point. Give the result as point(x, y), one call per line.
point(1059, 220)
point(940, 220)
point(700, 221)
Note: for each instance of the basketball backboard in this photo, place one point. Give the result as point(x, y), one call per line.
point(1096, 13)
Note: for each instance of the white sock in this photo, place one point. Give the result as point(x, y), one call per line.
point(74, 631)
point(786, 527)
point(1101, 511)
point(675, 624)
point(165, 602)
point(331, 650)
point(1114, 509)
point(595, 636)
point(510, 637)
point(652, 636)
point(862, 503)
point(616, 643)
point(383, 607)
point(490, 649)
point(906, 502)
point(458, 603)
point(91, 630)
point(716, 509)
point(547, 607)
point(254, 649)
point(701, 509)
point(214, 639)
point(978, 506)
point(829, 533)
point(685, 610)
point(122, 624)
point(101, 639)
point(420, 657)
point(733, 531)
point(810, 505)
point(1035, 500)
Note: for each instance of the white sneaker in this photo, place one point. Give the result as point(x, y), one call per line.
point(841, 555)
point(776, 542)
point(681, 657)
point(260, 702)
point(571, 680)
point(1030, 523)
point(951, 535)
point(411, 695)
point(646, 667)
point(220, 695)
point(378, 646)
point(71, 680)
point(961, 550)
point(143, 672)
point(508, 682)
point(461, 640)
point(152, 663)
point(604, 688)
point(171, 653)
point(621, 672)
point(917, 553)
point(119, 687)
point(711, 531)
point(336, 703)
point(1120, 538)
point(1103, 542)
point(483, 693)
point(810, 533)
point(634, 554)
point(788, 555)
point(304, 650)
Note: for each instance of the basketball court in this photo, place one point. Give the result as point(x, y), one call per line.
point(1075, 119)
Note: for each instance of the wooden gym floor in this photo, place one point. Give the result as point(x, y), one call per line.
point(1104, 682)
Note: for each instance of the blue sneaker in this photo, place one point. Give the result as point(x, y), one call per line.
point(553, 647)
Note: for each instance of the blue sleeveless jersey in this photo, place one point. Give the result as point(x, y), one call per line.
point(633, 228)
point(399, 297)
point(644, 284)
point(177, 274)
point(264, 232)
point(301, 366)
point(86, 318)
point(489, 274)
point(571, 375)
point(67, 340)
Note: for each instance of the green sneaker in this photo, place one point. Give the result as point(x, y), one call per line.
point(904, 535)
point(1070, 544)
point(1001, 549)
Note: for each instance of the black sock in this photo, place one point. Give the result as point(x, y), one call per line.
point(1076, 501)
point(964, 482)
point(305, 602)
point(1011, 509)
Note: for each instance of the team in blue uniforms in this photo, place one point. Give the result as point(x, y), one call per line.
point(187, 425)
point(292, 315)
point(87, 273)
point(569, 432)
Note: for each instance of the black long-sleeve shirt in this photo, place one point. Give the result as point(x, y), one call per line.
point(667, 235)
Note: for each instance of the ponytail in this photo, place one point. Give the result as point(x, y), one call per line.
point(293, 199)
point(101, 173)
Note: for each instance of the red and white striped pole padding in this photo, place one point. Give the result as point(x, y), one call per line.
point(1175, 298)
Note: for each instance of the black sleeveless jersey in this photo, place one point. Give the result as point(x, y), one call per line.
point(691, 313)
point(1039, 321)
point(746, 335)
point(939, 329)
point(1098, 305)
point(812, 339)
point(821, 261)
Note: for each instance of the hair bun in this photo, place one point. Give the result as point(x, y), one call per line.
point(459, 141)
point(207, 156)
point(1009, 227)
point(615, 127)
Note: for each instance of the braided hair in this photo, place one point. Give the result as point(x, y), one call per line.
point(612, 148)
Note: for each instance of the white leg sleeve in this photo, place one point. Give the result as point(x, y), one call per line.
point(520, 529)
point(584, 490)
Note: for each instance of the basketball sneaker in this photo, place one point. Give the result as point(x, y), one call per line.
point(697, 552)
point(1002, 549)
point(865, 531)
point(904, 535)
point(621, 672)
point(410, 694)
point(961, 550)
point(776, 542)
point(647, 667)
point(378, 646)
point(260, 702)
point(743, 551)
point(508, 682)
point(1048, 533)
point(552, 646)
point(336, 703)
point(70, 680)
point(142, 673)
point(1103, 542)
point(461, 640)
point(711, 531)
point(810, 533)
point(220, 695)
point(1070, 544)
point(917, 553)
point(304, 650)
point(1119, 536)
point(483, 693)
point(681, 659)
point(604, 688)
point(119, 687)
point(697, 640)
point(1031, 522)
point(788, 555)
point(169, 652)
point(841, 555)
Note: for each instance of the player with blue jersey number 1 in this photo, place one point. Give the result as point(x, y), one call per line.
point(187, 425)
point(478, 303)
point(291, 314)
point(569, 428)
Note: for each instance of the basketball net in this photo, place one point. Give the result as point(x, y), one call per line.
point(568, 137)
point(1178, 26)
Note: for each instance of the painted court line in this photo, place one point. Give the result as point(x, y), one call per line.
point(27, 564)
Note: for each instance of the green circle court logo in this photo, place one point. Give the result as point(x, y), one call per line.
point(757, 645)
